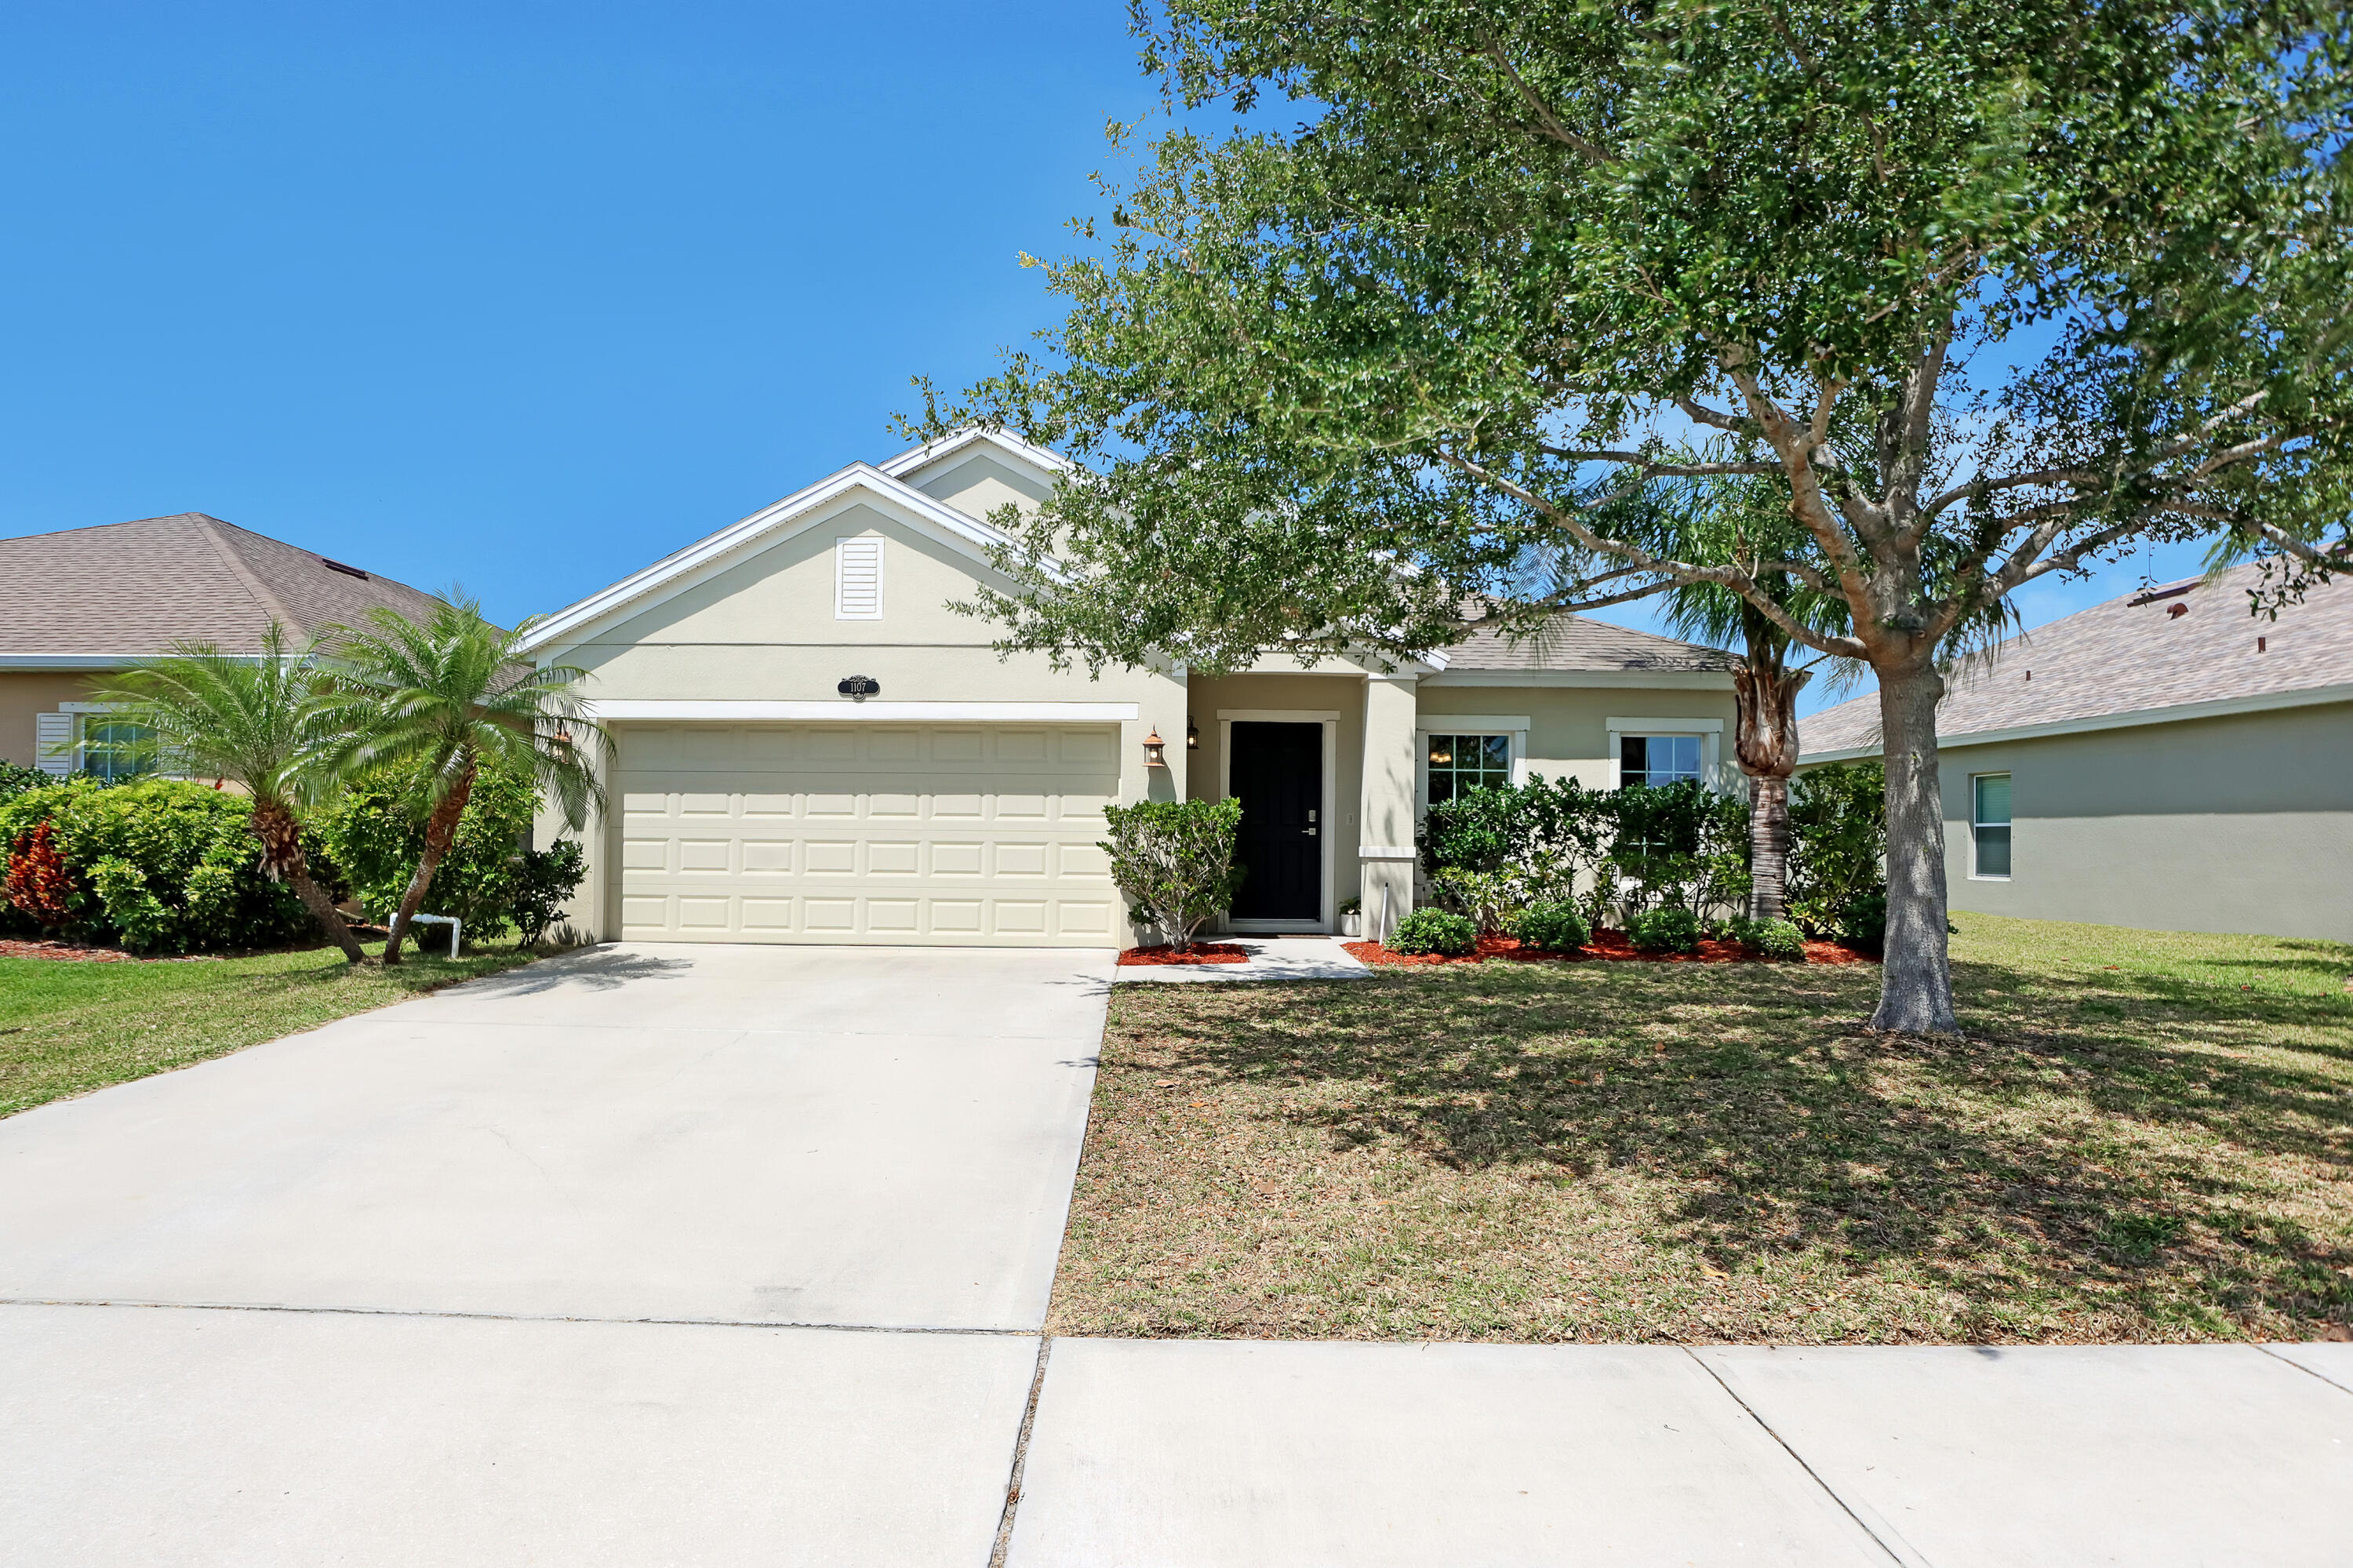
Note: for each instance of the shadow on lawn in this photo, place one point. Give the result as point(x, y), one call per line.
point(2068, 1145)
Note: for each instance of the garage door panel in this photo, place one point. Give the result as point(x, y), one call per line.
point(866, 834)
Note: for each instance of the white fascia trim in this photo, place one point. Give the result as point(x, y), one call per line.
point(67, 661)
point(929, 452)
point(1280, 716)
point(1469, 723)
point(770, 523)
point(692, 711)
point(1663, 680)
point(1666, 726)
point(2221, 707)
point(1387, 851)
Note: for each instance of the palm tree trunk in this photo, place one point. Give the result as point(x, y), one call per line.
point(440, 831)
point(1764, 739)
point(281, 855)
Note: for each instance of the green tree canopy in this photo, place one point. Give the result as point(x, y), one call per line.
point(1995, 287)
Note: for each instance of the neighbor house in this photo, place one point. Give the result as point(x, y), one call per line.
point(2166, 761)
point(82, 604)
point(811, 744)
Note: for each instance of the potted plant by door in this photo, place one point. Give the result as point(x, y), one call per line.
point(1352, 918)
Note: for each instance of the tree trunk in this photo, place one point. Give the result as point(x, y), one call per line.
point(1768, 848)
point(1765, 739)
point(282, 856)
point(1915, 988)
point(440, 831)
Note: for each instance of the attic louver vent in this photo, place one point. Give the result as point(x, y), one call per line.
point(858, 579)
point(347, 571)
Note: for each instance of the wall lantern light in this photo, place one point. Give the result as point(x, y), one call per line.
point(1192, 736)
point(1155, 750)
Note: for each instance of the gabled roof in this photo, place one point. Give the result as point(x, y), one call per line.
point(1574, 643)
point(967, 443)
point(771, 525)
point(2178, 652)
point(127, 590)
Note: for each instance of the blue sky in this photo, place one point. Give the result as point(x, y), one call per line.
point(526, 295)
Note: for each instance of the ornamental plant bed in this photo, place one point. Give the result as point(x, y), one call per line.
point(1607, 945)
point(1206, 953)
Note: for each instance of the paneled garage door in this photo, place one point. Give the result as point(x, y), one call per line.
point(942, 834)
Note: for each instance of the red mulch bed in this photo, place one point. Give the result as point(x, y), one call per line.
point(14, 947)
point(1207, 953)
point(1610, 946)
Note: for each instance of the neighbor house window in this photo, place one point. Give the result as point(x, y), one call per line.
point(1990, 824)
point(1657, 759)
point(109, 749)
point(1460, 762)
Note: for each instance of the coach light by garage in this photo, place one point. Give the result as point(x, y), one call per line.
point(1155, 750)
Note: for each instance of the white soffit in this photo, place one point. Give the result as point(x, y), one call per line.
point(966, 443)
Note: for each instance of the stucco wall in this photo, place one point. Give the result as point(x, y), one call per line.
point(2242, 823)
point(1568, 733)
point(26, 694)
point(763, 628)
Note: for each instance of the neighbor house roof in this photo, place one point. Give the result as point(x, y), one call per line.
point(2184, 651)
point(131, 589)
point(1572, 643)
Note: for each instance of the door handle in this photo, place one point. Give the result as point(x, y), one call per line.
point(1310, 831)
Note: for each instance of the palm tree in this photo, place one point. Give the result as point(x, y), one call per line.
point(253, 723)
point(445, 698)
point(1743, 520)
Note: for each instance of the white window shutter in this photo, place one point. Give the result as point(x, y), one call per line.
point(53, 737)
point(858, 579)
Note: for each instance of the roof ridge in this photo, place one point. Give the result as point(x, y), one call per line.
point(210, 527)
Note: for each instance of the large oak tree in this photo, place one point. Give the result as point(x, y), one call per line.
point(1995, 288)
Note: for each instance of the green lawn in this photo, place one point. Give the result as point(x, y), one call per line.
point(2146, 1136)
point(67, 1028)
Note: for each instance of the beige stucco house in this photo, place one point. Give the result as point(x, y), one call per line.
point(2164, 760)
point(811, 746)
point(81, 604)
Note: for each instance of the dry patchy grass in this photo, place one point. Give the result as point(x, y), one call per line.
point(2146, 1136)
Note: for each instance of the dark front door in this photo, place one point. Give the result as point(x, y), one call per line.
point(1276, 771)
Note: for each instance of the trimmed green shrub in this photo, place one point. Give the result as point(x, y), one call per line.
point(1838, 851)
point(1428, 930)
point(1670, 928)
point(544, 883)
point(1778, 939)
point(376, 830)
point(161, 865)
point(15, 780)
point(1680, 843)
point(1543, 837)
point(1556, 927)
point(1488, 897)
point(1175, 862)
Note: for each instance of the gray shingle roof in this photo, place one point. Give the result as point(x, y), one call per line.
point(2129, 655)
point(1575, 643)
point(133, 589)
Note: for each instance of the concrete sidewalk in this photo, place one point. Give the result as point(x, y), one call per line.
point(1210, 1454)
point(1270, 959)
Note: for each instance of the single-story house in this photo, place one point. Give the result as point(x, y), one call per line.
point(2164, 761)
point(812, 745)
point(84, 603)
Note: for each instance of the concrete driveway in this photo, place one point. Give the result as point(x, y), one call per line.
point(515, 1246)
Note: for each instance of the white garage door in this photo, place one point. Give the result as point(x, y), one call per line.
point(942, 834)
